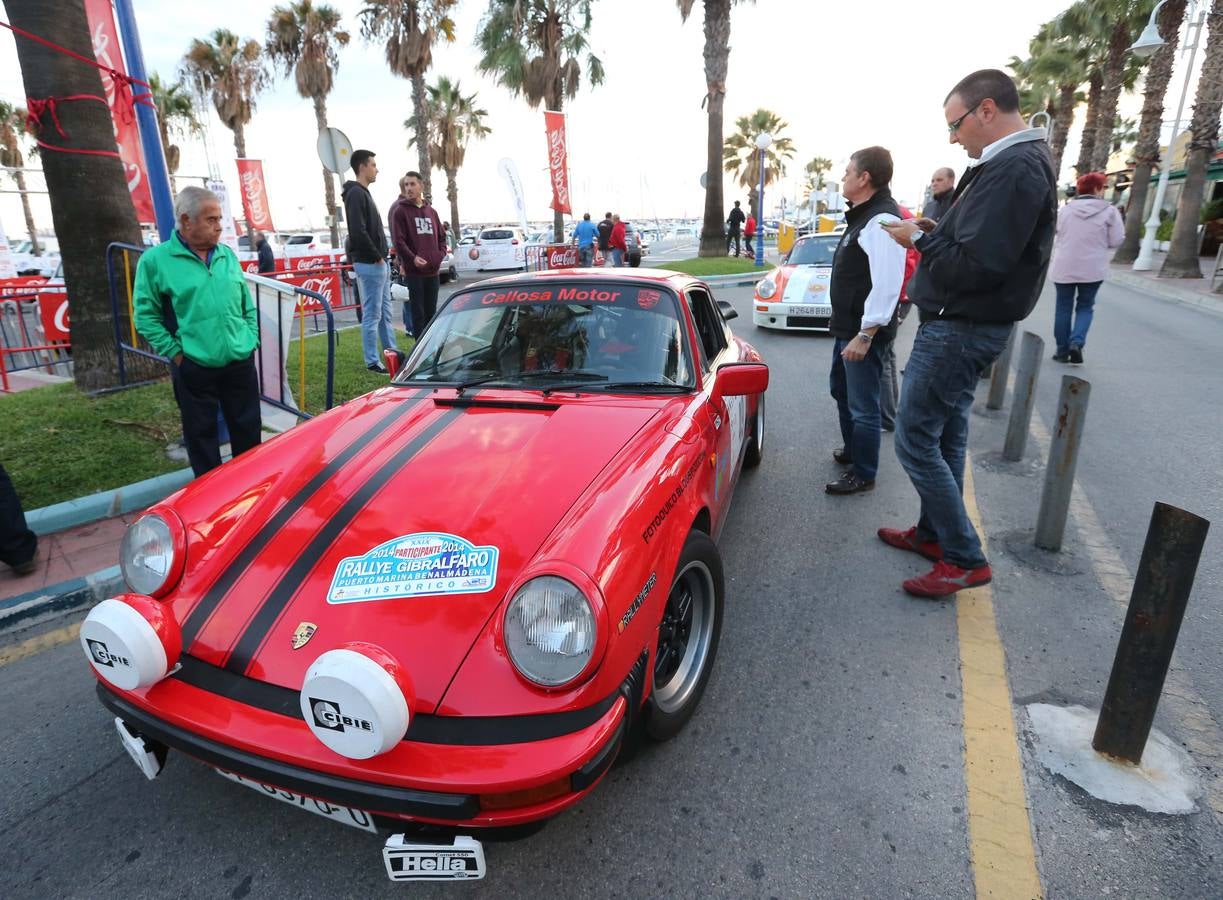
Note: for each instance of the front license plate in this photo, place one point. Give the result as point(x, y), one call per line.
point(461, 861)
point(354, 818)
point(809, 311)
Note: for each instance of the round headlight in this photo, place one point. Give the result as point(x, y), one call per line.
point(146, 556)
point(550, 631)
point(766, 289)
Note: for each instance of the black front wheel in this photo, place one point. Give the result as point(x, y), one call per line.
point(755, 441)
point(687, 637)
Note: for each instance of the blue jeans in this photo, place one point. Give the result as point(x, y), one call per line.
point(376, 311)
point(586, 256)
point(855, 387)
point(932, 427)
point(1084, 309)
point(617, 257)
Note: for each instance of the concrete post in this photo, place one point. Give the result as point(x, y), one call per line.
point(1063, 458)
point(1031, 349)
point(1002, 370)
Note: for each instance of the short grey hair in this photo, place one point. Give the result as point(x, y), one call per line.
point(189, 201)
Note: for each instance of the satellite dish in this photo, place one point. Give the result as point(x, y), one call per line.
point(334, 150)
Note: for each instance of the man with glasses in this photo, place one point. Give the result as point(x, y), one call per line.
point(981, 270)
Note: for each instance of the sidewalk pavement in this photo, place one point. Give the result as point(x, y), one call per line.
point(1193, 291)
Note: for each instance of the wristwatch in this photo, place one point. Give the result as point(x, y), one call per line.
point(866, 337)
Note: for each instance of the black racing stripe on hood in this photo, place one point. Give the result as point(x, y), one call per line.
point(257, 630)
point(199, 616)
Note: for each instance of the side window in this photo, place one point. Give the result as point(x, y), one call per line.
point(710, 332)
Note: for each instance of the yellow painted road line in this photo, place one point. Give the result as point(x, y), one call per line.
point(1196, 726)
point(39, 644)
point(999, 829)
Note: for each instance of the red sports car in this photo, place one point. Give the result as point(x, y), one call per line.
point(454, 600)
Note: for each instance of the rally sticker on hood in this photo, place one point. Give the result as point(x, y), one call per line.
point(807, 284)
point(415, 565)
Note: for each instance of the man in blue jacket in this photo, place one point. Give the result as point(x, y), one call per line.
point(584, 234)
point(981, 271)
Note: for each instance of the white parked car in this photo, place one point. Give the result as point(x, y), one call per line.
point(685, 233)
point(308, 243)
point(246, 252)
point(795, 296)
point(503, 247)
point(44, 264)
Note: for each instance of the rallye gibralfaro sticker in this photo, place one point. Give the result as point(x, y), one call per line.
point(415, 565)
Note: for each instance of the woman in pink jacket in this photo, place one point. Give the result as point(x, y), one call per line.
point(1089, 228)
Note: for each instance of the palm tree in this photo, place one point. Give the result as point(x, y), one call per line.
point(1182, 259)
point(717, 59)
point(175, 115)
point(233, 72)
point(814, 180)
point(454, 121)
point(535, 48)
point(305, 39)
point(1052, 75)
point(1123, 20)
point(12, 123)
point(90, 203)
point(1146, 151)
point(410, 29)
point(741, 158)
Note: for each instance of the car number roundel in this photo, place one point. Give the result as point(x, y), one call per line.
point(415, 565)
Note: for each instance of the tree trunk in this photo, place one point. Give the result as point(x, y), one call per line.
point(452, 194)
point(320, 117)
point(1063, 115)
point(90, 203)
point(717, 58)
point(1146, 152)
point(420, 111)
point(35, 243)
point(1182, 260)
point(1088, 144)
point(1110, 93)
point(239, 140)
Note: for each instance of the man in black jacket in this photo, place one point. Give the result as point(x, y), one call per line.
point(367, 239)
point(604, 238)
point(981, 270)
point(734, 224)
point(942, 189)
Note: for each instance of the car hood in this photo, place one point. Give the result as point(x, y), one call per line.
point(402, 523)
point(806, 284)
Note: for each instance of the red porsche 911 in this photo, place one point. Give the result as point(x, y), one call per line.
point(447, 605)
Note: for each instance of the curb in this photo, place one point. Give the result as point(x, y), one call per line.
point(105, 504)
point(1165, 291)
point(67, 595)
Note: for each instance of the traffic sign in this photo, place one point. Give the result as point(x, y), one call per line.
point(334, 150)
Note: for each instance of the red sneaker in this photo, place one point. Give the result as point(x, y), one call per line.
point(945, 579)
point(907, 540)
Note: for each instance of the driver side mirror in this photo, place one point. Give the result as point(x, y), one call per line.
point(394, 360)
point(728, 311)
point(739, 379)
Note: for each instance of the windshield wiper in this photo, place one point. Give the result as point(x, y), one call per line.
point(571, 376)
point(642, 385)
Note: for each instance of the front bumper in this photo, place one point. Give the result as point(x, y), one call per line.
point(790, 316)
point(260, 735)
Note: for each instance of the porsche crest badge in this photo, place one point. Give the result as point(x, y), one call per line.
point(302, 635)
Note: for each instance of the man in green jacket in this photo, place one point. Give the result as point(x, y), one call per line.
point(193, 307)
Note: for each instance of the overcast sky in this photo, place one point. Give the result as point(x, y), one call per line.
point(843, 75)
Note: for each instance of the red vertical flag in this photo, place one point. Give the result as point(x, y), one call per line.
point(105, 38)
point(558, 161)
point(254, 195)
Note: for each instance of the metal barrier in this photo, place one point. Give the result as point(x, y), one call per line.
point(24, 344)
point(279, 304)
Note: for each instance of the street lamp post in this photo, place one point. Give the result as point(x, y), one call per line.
point(762, 144)
point(1148, 42)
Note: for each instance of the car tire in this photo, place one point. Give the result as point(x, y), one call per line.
point(687, 638)
point(755, 441)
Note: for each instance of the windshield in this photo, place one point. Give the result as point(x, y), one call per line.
point(816, 251)
point(577, 334)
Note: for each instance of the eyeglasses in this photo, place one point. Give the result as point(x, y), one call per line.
point(954, 126)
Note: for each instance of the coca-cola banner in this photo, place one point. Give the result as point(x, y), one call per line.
point(319, 273)
point(558, 161)
point(562, 256)
point(53, 310)
point(106, 50)
point(254, 195)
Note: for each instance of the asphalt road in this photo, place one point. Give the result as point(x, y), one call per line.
point(827, 757)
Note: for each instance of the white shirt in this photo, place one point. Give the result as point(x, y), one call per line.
point(887, 264)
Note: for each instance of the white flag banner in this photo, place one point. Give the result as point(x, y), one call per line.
point(229, 234)
point(509, 172)
point(7, 269)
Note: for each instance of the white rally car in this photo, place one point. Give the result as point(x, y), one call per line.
point(795, 296)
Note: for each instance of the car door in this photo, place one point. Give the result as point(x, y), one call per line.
point(723, 419)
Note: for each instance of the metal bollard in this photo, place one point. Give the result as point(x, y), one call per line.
point(1002, 369)
point(1161, 591)
point(1063, 458)
point(1030, 351)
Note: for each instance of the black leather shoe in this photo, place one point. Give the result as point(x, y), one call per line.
point(1075, 355)
point(377, 367)
point(848, 483)
point(888, 426)
point(842, 456)
point(1061, 357)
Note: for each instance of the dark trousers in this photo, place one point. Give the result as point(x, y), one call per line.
point(747, 239)
point(855, 387)
point(733, 237)
point(17, 542)
point(200, 391)
point(422, 293)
